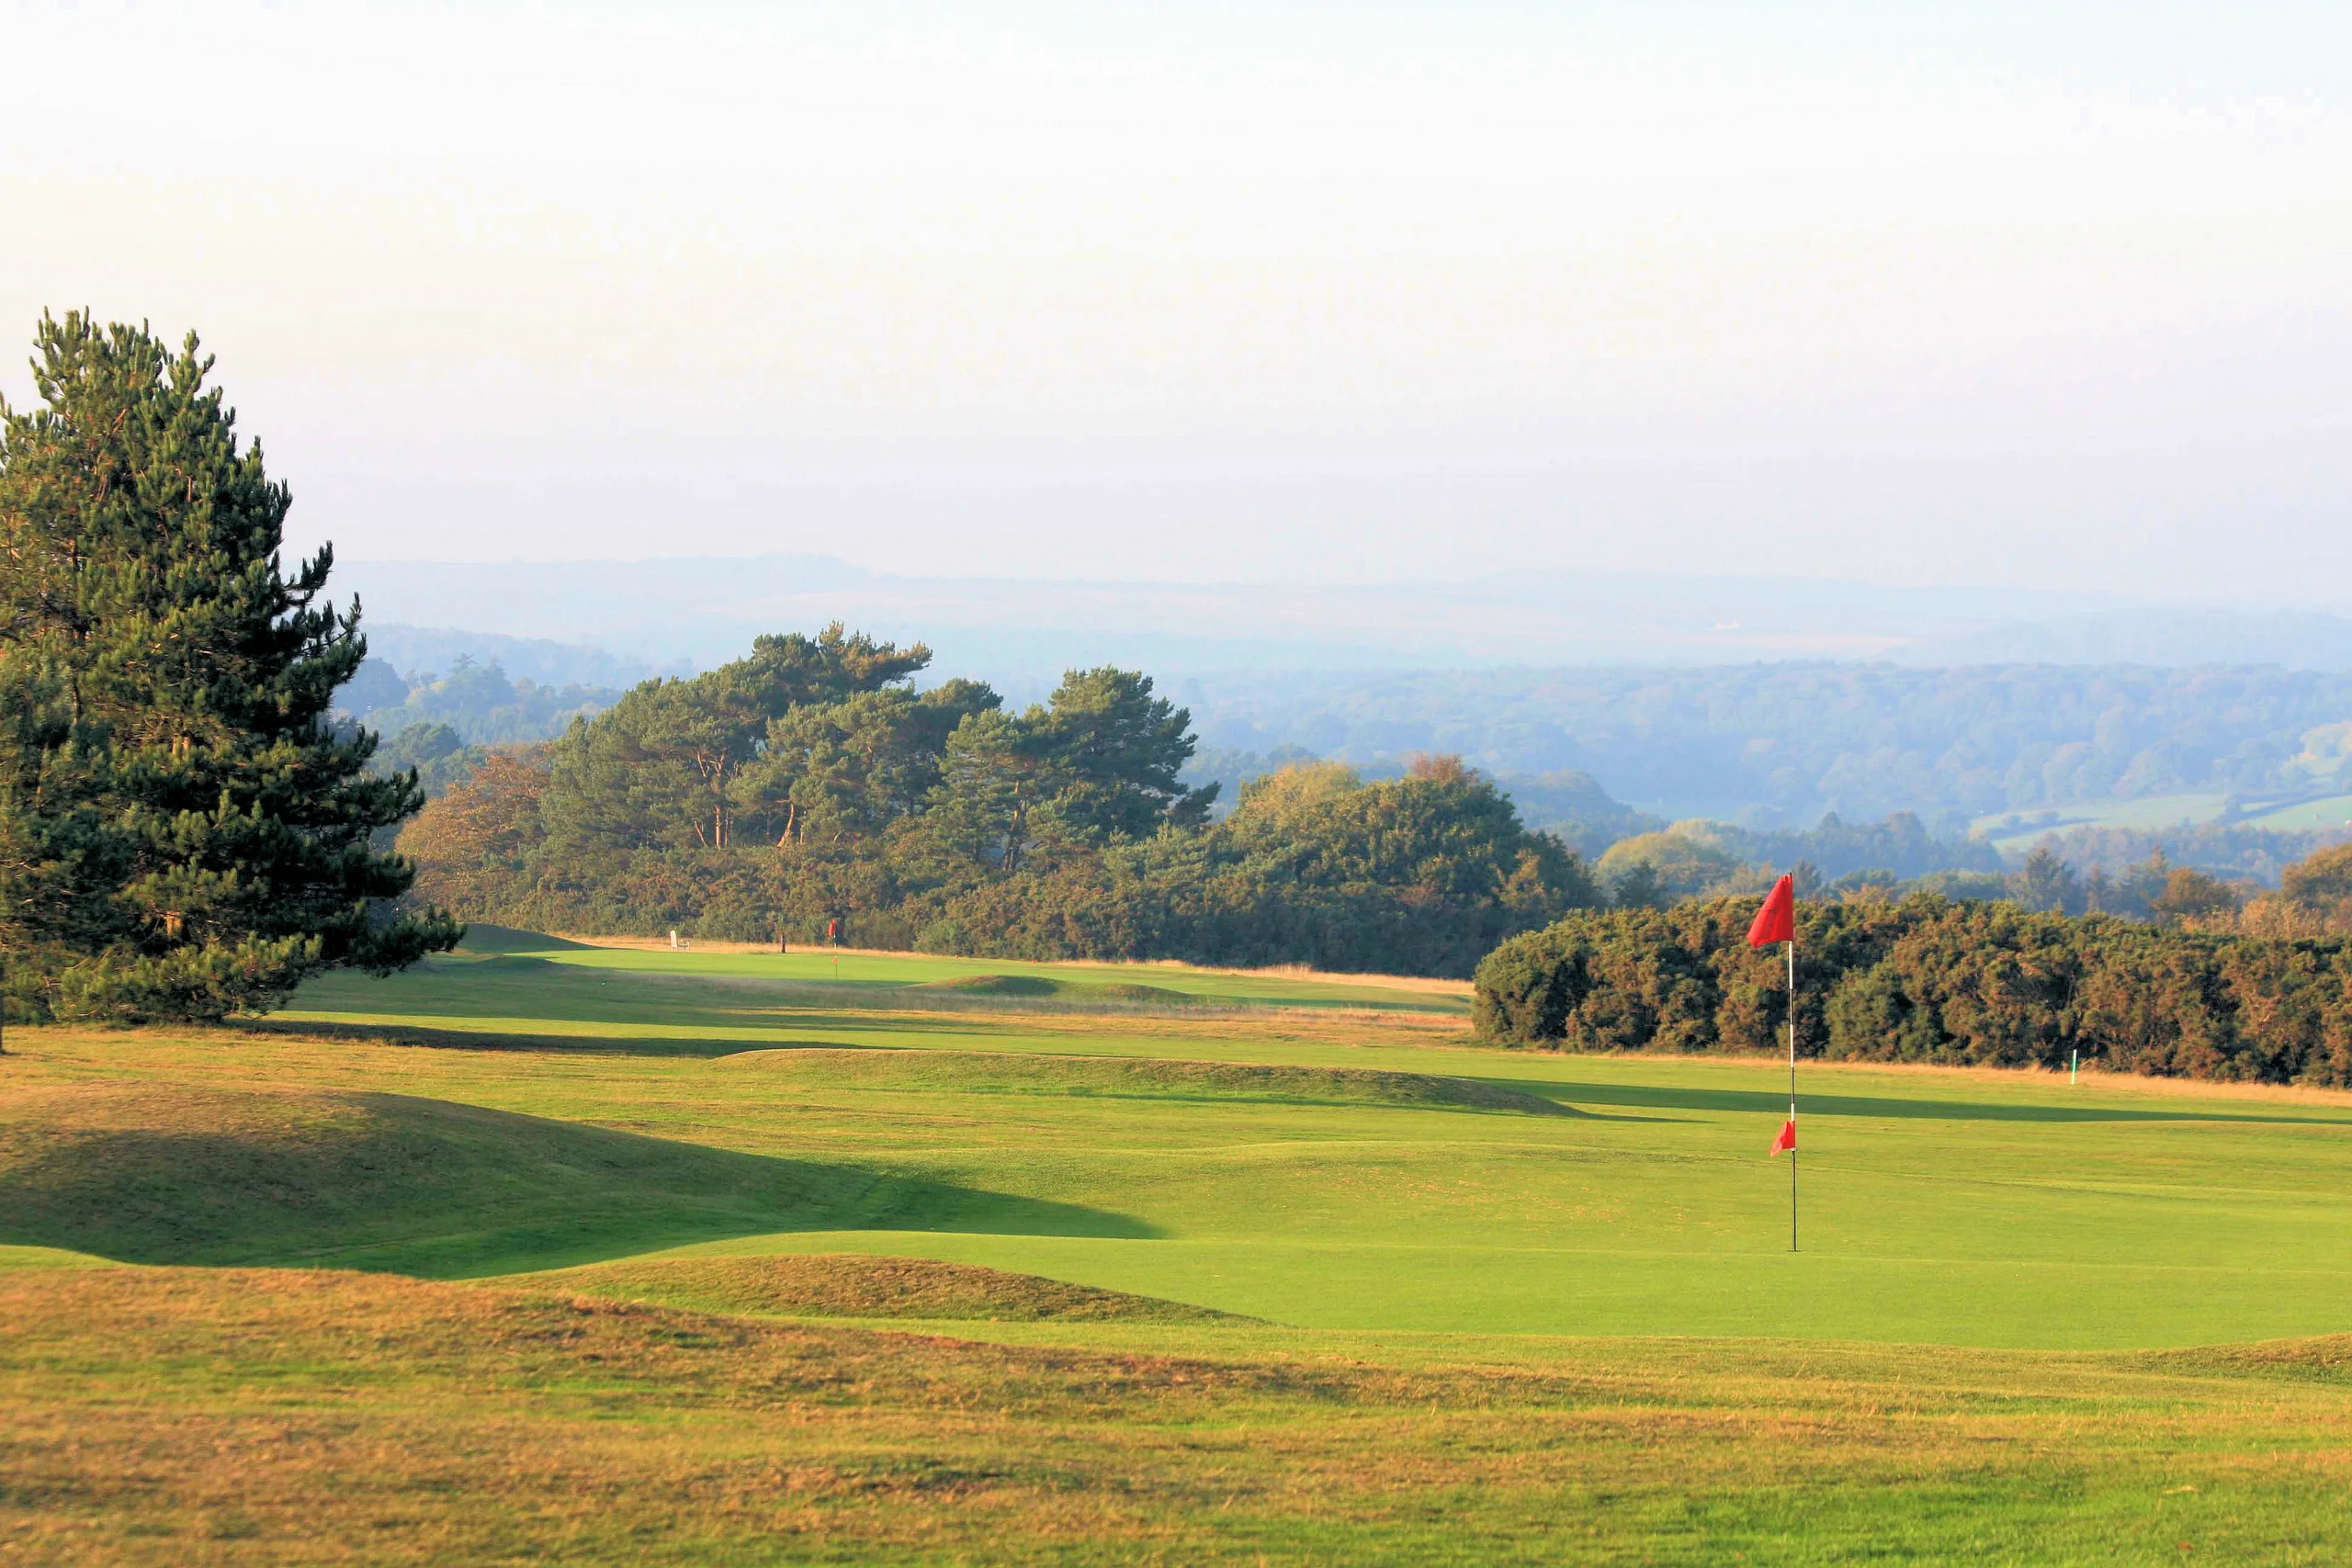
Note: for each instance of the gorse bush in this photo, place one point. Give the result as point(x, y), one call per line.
point(1928, 979)
point(811, 788)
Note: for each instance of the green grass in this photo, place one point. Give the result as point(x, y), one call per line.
point(1993, 1210)
point(2019, 829)
point(2309, 815)
point(2125, 811)
point(151, 1173)
point(805, 970)
point(1479, 1305)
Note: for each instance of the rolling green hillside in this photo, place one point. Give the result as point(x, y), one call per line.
point(2015, 831)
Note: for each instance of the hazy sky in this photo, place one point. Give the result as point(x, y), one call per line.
point(2040, 294)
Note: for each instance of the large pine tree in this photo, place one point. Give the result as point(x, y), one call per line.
point(184, 831)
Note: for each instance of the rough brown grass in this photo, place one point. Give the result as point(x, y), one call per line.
point(854, 1285)
point(259, 1418)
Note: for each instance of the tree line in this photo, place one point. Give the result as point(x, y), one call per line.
point(1927, 978)
point(811, 788)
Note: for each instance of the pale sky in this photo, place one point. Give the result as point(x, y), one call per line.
point(2038, 294)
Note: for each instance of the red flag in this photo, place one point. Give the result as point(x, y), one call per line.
point(1787, 1141)
point(1777, 920)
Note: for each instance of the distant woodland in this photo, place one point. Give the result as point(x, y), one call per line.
point(813, 790)
point(478, 703)
point(1779, 744)
point(810, 791)
point(1856, 770)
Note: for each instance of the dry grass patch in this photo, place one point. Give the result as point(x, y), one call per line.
point(854, 1285)
point(189, 1416)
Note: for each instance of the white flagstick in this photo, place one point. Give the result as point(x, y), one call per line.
point(1793, 1090)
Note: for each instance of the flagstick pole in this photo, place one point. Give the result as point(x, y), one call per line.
point(1792, 1091)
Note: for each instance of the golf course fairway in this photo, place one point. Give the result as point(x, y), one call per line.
point(549, 1251)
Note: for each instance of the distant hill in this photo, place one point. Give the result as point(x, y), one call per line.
point(1777, 745)
point(1720, 717)
point(419, 652)
point(1023, 632)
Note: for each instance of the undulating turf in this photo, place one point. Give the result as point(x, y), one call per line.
point(1985, 1209)
point(1293, 1273)
point(179, 1417)
point(855, 1285)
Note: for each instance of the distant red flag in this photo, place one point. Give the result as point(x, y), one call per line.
point(1777, 920)
point(1787, 1141)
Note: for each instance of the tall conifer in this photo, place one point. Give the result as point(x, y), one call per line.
point(184, 831)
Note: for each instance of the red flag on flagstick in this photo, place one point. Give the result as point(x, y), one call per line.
point(1777, 920)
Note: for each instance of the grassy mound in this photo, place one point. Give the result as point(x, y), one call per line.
point(49, 1258)
point(1157, 996)
point(995, 985)
point(169, 1174)
point(852, 1285)
point(1072, 994)
point(2326, 1359)
point(506, 938)
point(974, 1072)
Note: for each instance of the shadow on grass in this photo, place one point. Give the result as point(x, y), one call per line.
point(1774, 1103)
point(427, 1036)
point(450, 1006)
point(436, 1189)
point(504, 978)
point(490, 939)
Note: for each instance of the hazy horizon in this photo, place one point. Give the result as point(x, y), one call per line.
point(2046, 297)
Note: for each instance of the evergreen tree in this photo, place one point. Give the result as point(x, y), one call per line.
point(996, 777)
point(664, 767)
point(2049, 885)
point(1121, 752)
point(842, 771)
point(183, 832)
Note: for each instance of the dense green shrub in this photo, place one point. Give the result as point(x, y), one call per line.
point(1930, 979)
